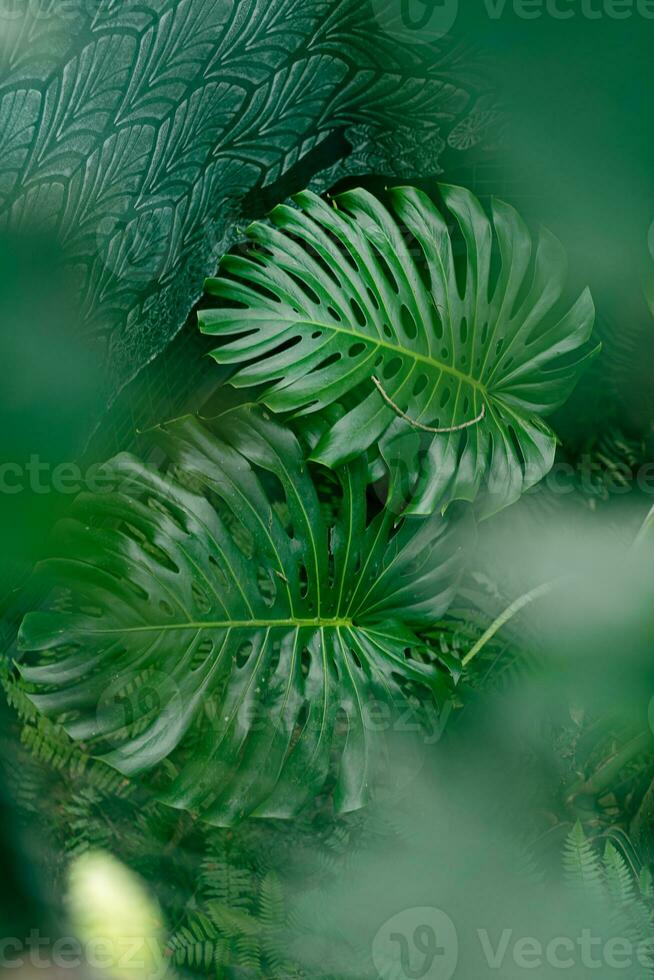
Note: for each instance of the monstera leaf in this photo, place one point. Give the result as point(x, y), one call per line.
point(354, 304)
point(241, 618)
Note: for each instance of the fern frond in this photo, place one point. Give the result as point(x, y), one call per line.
point(198, 945)
point(619, 879)
point(225, 881)
point(581, 865)
point(272, 911)
point(645, 884)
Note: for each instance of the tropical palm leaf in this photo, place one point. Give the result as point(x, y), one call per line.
point(358, 305)
point(220, 620)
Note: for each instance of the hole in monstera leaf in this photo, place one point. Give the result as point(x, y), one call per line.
point(303, 580)
point(269, 294)
point(63, 650)
point(334, 314)
point(316, 335)
point(266, 585)
point(162, 557)
point(355, 657)
point(302, 718)
point(420, 384)
point(359, 315)
point(356, 349)
point(333, 668)
point(275, 655)
point(305, 661)
point(157, 554)
point(498, 346)
point(445, 397)
point(324, 264)
point(239, 534)
point(331, 562)
point(200, 598)
point(387, 330)
point(392, 368)
point(218, 573)
point(460, 256)
point(306, 288)
point(373, 298)
point(165, 607)
point(408, 323)
point(327, 362)
point(388, 273)
point(445, 353)
point(275, 493)
point(201, 654)
point(61, 600)
point(243, 654)
point(437, 320)
point(341, 728)
point(517, 448)
point(396, 528)
point(167, 512)
point(138, 590)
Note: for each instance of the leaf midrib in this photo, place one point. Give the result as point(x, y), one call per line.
point(337, 623)
point(396, 349)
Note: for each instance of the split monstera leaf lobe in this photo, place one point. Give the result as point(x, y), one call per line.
point(246, 624)
point(332, 302)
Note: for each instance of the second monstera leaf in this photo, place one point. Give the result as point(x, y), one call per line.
point(226, 625)
point(355, 305)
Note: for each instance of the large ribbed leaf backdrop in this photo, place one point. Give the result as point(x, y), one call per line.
point(334, 300)
point(139, 134)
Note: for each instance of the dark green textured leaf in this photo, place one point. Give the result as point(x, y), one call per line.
point(330, 298)
point(140, 134)
point(240, 623)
